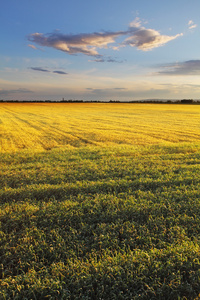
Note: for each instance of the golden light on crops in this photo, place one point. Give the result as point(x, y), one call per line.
point(41, 126)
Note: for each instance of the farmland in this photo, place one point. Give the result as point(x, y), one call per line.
point(46, 126)
point(99, 201)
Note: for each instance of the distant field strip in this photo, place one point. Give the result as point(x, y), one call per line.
point(43, 126)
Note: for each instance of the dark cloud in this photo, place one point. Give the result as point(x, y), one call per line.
point(39, 69)
point(190, 67)
point(60, 72)
point(45, 70)
point(89, 43)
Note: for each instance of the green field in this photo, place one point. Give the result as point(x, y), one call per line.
point(100, 201)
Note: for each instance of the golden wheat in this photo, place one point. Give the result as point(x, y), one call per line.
point(39, 126)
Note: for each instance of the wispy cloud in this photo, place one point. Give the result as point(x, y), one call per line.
point(136, 23)
point(48, 71)
point(88, 43)
point(191, 24)
point(106, 91)
point(60, 72)
point(135, 92)
point(39, 69)
point(14, 91)
point(190, 67)
point(109, 60)
point(32, 46)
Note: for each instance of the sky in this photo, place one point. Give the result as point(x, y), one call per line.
point(99, 50)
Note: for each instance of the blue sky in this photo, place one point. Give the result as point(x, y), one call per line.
point(100, 50)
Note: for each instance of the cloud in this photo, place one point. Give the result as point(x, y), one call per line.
point(32, 46)
point(45, 70)
point(181, 86)
point(136, 23)
point(133, 93)
point(73, 44)
point(190, 67)
point(20, 90)
point(89, 43)
point(98, 60)
point(112, 60)
point(146, 39)
point(191, 24)
point(60, 72)
point(39, 69)
point(105, 91)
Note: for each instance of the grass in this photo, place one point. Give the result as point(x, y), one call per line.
point(100, 220)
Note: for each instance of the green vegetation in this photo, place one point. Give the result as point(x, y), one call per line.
point(93, 222)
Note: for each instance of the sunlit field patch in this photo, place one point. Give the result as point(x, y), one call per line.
point(99, 201)
point(45, 126)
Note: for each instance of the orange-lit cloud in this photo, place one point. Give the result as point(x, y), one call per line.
point(89, 43)
point(147, 39)
point(32, 46)
point(72, 44)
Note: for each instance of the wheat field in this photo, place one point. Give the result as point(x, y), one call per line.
point(110, 211)
point(43, 126)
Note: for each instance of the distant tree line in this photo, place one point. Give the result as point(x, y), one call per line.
point(183, 101)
